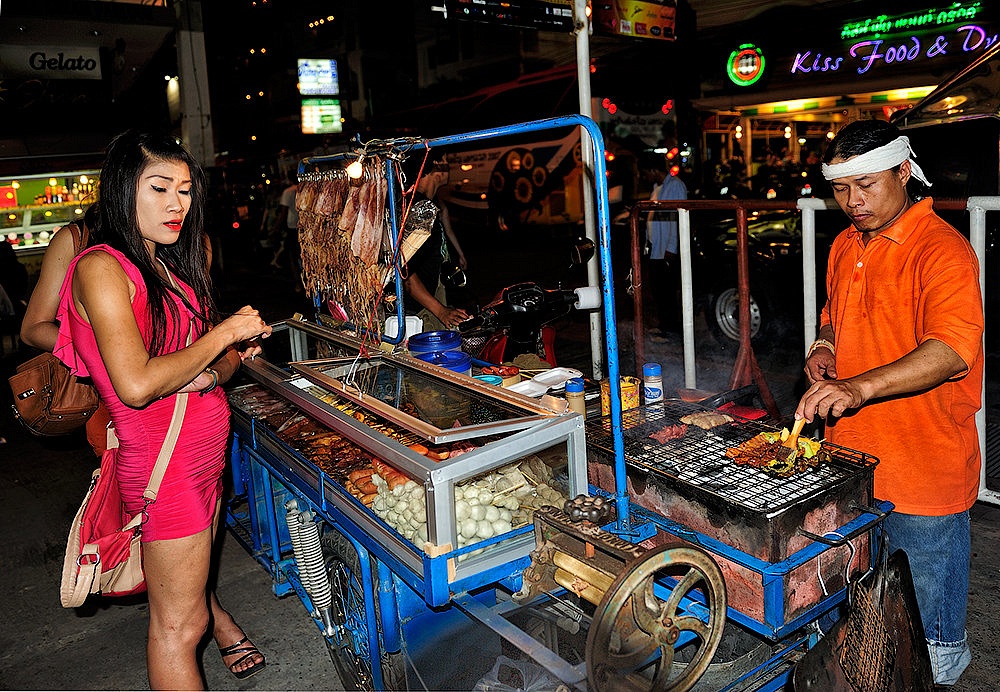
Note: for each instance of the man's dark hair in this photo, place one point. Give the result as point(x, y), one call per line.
point(860, 137)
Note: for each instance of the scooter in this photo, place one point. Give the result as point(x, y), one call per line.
point(519, 320)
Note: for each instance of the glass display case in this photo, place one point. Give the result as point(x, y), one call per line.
point(32, 206)
point(441, 469)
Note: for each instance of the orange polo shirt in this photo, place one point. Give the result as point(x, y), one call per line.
point(917, 280)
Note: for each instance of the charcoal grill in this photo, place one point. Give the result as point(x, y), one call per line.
point(756, 525)
point(697, 460)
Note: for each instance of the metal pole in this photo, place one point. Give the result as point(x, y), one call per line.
point(192, 66)
point(582, 25)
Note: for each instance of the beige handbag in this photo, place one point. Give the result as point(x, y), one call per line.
point(104, 549)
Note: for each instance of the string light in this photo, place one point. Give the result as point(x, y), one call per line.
point(356, 169)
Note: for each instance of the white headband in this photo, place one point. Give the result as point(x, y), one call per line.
point(879, 159)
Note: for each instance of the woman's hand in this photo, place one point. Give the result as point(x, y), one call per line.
point(245, 325)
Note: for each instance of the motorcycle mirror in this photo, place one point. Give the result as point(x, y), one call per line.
point(582, 250)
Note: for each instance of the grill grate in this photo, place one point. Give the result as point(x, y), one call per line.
point(698, 458)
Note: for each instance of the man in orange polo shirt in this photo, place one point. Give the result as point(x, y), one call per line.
point(897, 369)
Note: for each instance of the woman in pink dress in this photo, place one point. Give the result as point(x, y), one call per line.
point(128, 306)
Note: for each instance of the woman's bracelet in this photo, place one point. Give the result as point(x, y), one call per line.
point(215, 382)
point(821, 343)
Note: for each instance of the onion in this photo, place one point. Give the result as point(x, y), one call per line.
point(492, 514)
point(469, 527)
point(484, 529)
point(501, 527)
point(462, 510)
point(478, 512)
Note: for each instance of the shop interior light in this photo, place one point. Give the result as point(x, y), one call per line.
point(16, 185)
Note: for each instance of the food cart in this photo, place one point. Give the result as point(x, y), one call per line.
point(437, 528)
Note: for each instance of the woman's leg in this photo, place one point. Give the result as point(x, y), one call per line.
point(225, 631)
point(176, 577)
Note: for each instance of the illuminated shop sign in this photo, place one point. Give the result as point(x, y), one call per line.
point(923, 20)
point(318, 77)
point(321, 116)
point(746, 65)
point(877, 53)
point(635, 18)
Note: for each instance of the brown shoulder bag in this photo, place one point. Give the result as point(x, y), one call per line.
point(48, 398)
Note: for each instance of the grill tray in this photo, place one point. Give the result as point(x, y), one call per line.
point(697, 461)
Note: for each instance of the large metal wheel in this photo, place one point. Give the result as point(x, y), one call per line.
point(349, 651)
point(631, 641)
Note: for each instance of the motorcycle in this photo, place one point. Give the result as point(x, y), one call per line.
point(519, 321)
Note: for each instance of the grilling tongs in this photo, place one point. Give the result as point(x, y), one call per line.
point(792, 441)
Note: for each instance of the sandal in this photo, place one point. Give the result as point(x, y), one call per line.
point(246, 647)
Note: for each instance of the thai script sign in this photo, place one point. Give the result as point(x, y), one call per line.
point(921, 20)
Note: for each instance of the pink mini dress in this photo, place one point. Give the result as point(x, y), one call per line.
point(192, 485)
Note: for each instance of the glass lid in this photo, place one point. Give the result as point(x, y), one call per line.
point(426, 399)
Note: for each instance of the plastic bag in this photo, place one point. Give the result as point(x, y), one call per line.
point(509, 675)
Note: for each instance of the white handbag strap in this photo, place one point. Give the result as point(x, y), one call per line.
point(180, 405)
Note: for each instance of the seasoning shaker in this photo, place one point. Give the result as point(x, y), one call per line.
point(652, 383)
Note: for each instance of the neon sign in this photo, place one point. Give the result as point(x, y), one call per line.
point(876, 53)
point(927, 19)
point(746, 65)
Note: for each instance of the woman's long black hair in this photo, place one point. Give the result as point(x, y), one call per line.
point(117, 225)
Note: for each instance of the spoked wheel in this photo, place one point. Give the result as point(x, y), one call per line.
point(631, 641)
point(350, 652)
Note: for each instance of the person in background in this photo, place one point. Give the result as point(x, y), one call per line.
point(287, 222)
point(13, 277)
point(424, 294)
point(900, 340)
point(662, 235)
point(129, 304)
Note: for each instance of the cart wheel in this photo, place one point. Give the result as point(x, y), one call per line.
point(350, 653)
point(631, 641)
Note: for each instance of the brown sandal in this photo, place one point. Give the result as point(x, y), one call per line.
point(243, 646)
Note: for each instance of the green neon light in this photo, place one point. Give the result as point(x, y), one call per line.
point(738, 58)
point(926, 19)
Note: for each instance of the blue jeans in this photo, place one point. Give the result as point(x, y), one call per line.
point(939, 552)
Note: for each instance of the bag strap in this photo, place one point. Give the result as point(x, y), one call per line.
point(180, 406)
point(80, 236)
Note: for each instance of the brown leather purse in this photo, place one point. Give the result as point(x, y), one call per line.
point(48, 398)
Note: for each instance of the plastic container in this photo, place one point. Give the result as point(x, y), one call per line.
point(490, 379)
point(575, 396)
point(435, 342)
point(629, 388)
point(652, 383)
point(412, 325)
point(456, 361)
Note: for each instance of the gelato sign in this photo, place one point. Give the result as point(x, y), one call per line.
point(875, 54)
point(49, 62)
